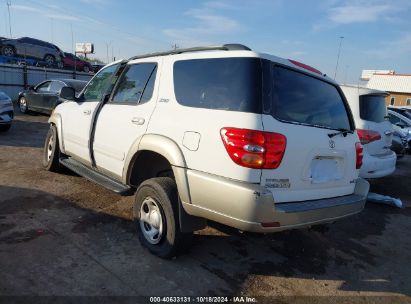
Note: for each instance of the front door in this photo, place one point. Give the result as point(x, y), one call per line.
point(124, 118)
point(78, 115)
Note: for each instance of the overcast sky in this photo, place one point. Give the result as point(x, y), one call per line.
point(377, 32)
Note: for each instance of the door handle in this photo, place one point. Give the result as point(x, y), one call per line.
point(138, 120)
point(87, 112)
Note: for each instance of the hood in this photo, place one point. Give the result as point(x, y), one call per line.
point(4, 98)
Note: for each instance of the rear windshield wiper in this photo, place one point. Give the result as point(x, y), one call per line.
point(344, 132)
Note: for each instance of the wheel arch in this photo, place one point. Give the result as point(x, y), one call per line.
point(165, 148)
point(55, 119)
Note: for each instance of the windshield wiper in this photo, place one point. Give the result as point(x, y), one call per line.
point(344, 132)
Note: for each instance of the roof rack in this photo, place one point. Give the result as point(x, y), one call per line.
point(224, 47)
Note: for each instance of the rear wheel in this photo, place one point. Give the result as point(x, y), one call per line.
point(8, 51)
point(156, 218)
point(23, 105)
point(50, 60)
point(51, 151)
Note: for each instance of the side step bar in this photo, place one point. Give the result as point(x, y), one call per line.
point(96, 177)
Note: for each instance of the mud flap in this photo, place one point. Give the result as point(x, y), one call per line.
point(189, 223)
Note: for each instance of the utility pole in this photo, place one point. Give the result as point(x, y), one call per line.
point(52, 30)
point(107, 46)
point(174, 46)
point(8, 9)
point(338, 56)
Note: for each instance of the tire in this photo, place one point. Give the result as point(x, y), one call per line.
point(51, 151)
point(4, 128)
point(8, 51)
point(156, 200)
point(23, 106)
point(86, 69)
point(50, 60)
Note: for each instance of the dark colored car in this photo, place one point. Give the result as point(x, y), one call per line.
point(97, 67)
point(34, 48)
point(44, 97)
point(71, 61)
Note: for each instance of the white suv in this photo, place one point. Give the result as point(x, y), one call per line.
point(223, 133)
point(374, 130)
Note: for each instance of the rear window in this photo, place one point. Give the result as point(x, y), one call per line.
point(294, 97)
point(372, 108)
point(232, 84)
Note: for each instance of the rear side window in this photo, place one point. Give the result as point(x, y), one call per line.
point(291, 96)
point(232, 84)
point(372, 108)
point(136, 84)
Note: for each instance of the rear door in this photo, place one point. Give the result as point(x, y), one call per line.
point(319, 161)
point(373, 111)
point(51, 101)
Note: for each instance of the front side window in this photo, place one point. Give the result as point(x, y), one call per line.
point(136, 84)
point(372, 108)
point(231, 84)
point(45, 87)
point(56, 86)
point(100, 84)
point(294, 97)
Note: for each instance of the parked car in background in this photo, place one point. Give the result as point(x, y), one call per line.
point(97, 67)
point(44, 97)
point(6, 112)
point(402, 121)
point(403, 110)
point(374, 130)
point(30, 47)
point(400, 141)
point(284, 157)
point(71, 61)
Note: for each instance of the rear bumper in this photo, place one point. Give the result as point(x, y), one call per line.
point(378, 166)
point(246, 206)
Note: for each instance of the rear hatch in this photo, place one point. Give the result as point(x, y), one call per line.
point(319, 160)
point(377, 135)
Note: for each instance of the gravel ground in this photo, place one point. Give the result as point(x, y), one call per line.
point(61, 235)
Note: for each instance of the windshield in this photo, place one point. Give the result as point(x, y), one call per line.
point(372, 108)
point(294, 97)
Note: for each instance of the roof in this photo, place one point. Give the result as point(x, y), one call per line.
point(362, 90)
point(399, 83)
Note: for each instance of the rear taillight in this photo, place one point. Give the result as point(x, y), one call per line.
point(367, 136)
point(254, 149)
point(359, 152)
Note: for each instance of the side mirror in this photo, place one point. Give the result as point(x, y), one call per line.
point(68, 93)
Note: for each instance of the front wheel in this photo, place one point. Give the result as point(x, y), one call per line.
point(51, 151)
point(23, 105)
point(156, 218)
